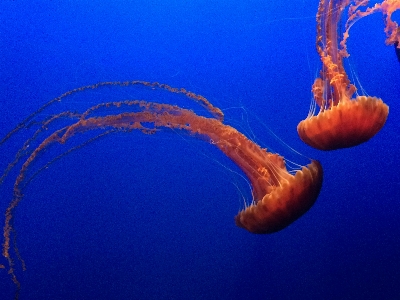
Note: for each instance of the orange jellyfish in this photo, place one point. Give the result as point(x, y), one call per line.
point(342, 121)
point(279, 197)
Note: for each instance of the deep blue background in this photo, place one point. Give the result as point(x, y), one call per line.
point(151, 217)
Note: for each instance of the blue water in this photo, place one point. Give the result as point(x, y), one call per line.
point(133, 216)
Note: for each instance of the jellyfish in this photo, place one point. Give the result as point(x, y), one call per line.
point(280, 196)
point(343, 121)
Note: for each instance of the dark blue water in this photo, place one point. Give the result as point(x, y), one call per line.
point(132, 216)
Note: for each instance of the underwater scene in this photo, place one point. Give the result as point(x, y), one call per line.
point(200, 149)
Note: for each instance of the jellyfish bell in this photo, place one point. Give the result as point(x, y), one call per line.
point(285, 203)
point(283, 187)
point(347, 124)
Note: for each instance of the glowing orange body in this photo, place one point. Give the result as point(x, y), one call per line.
point(280, 197)
point(343, 121)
